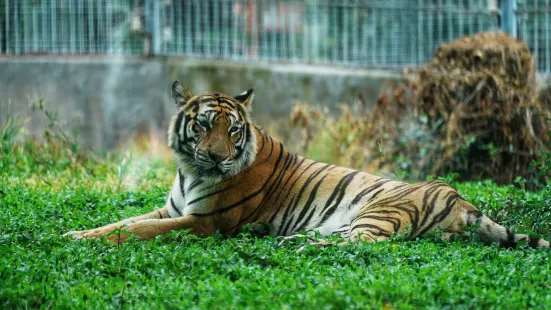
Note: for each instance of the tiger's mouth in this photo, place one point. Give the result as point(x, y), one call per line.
point(214, 170)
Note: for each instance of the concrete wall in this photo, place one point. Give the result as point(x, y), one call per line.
point(111, 100)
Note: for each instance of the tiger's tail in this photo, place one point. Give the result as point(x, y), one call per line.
point(490, 232)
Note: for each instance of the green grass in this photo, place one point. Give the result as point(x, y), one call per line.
point(44, 194)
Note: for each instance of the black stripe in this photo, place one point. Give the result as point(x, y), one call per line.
point(209, 195)
point(368, 190)
point(302, 189)
point(209, 99)
point(396, 223)
point(450, 203)
point(269, 193)
point(173, 205)
point(178, 125)
point(282, 188)
point(160, 214)
point(182, 183)
point(428, 207)
point(343, 184)
point(306, 207)
point(369, 227)
point(194, 184)
point(287, 210)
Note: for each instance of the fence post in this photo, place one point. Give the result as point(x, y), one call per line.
point(2, 29)
point(509, 16)
point(153, 26)
point(157, 34)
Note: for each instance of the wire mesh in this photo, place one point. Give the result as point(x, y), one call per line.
point(360, 33)
point(71, 27)
point(379, 33)
point(534, 20)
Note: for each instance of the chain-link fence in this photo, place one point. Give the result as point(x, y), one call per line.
point(363, 33)
point(534, 26)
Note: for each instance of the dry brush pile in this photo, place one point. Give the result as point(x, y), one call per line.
point(471, 110)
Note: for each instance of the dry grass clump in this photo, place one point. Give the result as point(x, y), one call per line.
point(471, 110)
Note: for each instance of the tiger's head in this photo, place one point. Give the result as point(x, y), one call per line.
point(211, 135)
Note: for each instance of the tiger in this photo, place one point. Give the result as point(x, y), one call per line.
point(231, 173)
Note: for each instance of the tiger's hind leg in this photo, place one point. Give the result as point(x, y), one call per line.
point(421, 208)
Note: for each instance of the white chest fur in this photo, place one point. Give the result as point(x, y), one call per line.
point(187, 196)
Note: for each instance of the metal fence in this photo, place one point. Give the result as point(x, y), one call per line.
point(363, 33)
point(533, 20)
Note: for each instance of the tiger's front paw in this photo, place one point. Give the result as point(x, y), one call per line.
point(76, 234)
point(90, 233)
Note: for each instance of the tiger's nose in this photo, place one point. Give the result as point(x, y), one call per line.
point(215, 157)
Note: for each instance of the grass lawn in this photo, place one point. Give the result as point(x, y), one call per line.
point(43, 196)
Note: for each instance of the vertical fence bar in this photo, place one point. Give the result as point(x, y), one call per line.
point(198, 41)
point(189, 34)
point(356, 26)
point(333, 24)
point(252, 32)
point(206, 28)
point(109, 26)
point(36, 43)
point(72, 26)
point(157, 32)
point(171, 43)
point(243, 34)
point(100, 28)
point(2, 36)
point(461, 16)
point(226, 16)
point(43, 29)
point(536, 36)
point(16, 28)
point(261, 8)
point(449, 8)
point(508, 16)
point(471, 18)
point(91, 27)
point(235, 24)
point(547, 38)
point(284, 36)
point(178, 28)
point(7, 18)
point(305, 34)
point(24, 10)
point(81, 26)
point(346, 25)
point(216, 28)
point(420, 53)
point(62, 21)
point(430, 33)
point(45, 39)
point(366, 35)
point(273, 11)
point(53, 25)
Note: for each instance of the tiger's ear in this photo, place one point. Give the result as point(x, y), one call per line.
point(246, 98)
point(180, 94)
